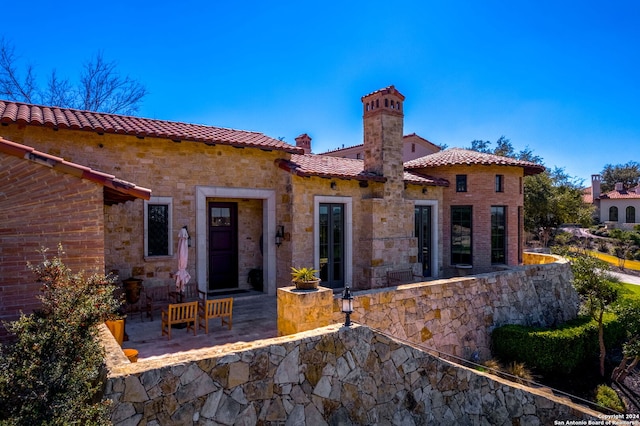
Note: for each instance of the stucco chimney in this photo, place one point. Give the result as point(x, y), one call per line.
point(383, 122)
point(619, 186)
point(596, 180)
point(304, 141)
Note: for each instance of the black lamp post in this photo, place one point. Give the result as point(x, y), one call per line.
point(347, 306)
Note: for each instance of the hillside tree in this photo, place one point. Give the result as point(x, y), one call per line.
point(100, 88)
point(628, 174)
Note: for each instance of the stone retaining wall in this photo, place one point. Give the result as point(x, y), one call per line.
point(457, 315)
point(331, 375)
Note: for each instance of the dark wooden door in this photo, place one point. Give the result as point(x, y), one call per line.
point(223, 245)
point(423, 233)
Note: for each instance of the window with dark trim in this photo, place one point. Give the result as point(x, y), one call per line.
point(461, 230)
point(498, 234)
point(157, 227)
point(613, 214)
point(499, 183)
point(631, 214)
point(461, 183)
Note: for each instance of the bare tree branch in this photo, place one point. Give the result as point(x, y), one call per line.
point(101, 88)
point(10, 84)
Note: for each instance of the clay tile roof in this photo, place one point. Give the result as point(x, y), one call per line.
point(66, 118)
point(459, 156)
point(628, 194)
point(115, 190)
point(344, 168)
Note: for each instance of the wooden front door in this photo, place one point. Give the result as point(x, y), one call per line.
point(223, 245)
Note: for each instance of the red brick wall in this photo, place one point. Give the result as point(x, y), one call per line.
point(481, 195)
point(40, 207)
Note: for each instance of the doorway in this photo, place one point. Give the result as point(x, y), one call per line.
point(423, 234)
point(331, 244)
point(223, 245)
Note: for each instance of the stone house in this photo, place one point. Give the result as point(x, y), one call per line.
point(45, 200)
point(251, 202)
point(413, 146)
point(619, 208)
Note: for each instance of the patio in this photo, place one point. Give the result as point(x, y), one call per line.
point(254, 318)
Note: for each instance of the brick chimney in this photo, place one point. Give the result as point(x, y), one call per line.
point(383, 121)
point(596, 180)
point(304, 141)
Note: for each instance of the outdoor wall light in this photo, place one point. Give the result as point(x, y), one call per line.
point(333, 185)
point(279, 235)
point(347, 306)
point(424, 190)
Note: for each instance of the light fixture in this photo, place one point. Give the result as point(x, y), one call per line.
point(424, 190)
point(347, 306)
point(279, 235)
point(333, 185)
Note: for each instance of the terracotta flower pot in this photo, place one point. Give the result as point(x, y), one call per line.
point(307, 285)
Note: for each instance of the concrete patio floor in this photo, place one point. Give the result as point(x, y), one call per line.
point(254, 318)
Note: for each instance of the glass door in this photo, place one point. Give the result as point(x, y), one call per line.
point(423, 233)
point(332, 245)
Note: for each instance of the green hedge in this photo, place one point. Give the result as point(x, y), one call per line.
point(556, 350)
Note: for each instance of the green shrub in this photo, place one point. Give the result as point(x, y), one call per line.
point(608, 398)
point(51, 374)
point(556, 350)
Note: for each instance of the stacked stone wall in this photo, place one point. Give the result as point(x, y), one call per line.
point(456, 316)
point(332, 375)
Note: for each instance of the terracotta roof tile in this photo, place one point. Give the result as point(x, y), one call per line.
point(66, 118)
point(459, 156)
point(344, 168)
point(116, 190)
point(628, 194)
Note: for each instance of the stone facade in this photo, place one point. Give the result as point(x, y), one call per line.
point(332, 375)
point(456, 316)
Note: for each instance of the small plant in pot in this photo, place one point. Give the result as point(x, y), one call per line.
point(305, 278)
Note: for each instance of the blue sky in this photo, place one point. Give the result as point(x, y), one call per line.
point(559, 77)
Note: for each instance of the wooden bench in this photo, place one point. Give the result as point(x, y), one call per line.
point(157, 298)
point(215, 308)
point(190, 293)
point(402, 276)
point(180, 313)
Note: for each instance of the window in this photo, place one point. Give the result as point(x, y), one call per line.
point(499, 183)
point(498, 235)
point(358, 156)
point(461, 183)
point(520, 185)
point(631, 214)
point(413, 147)
point(613, 214)
point(461, 228)
point(157, 226)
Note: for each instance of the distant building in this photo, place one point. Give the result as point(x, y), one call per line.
point(619, 208)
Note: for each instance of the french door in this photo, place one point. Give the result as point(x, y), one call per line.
point(331, 244)
point(423, 233)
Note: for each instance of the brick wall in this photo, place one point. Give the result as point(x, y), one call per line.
point(482, 195)
point(40, 207)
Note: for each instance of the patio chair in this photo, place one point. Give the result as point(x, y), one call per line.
point(190, 293)
point(180, 313)
point(157, 298)
point(215, 308)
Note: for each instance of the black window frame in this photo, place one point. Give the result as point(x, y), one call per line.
point(498, 235)
point(499, 183)
point(613, 214)
point(461, 228)
point(158, 226)
point(461, 183)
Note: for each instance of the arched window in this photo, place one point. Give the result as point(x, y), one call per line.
point(613, 214)
point(631, 215)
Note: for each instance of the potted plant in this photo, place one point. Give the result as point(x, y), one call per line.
point(305, 278)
